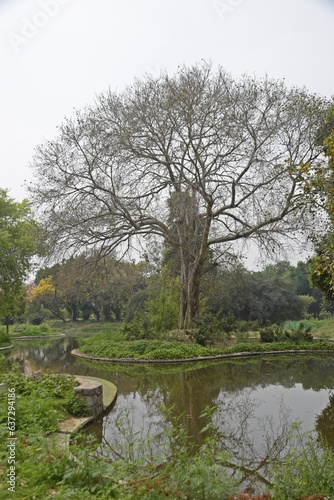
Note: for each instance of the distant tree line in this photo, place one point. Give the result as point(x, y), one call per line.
point(82, 288)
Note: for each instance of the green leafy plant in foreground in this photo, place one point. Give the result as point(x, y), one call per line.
point(43, 400)
point(306, 471)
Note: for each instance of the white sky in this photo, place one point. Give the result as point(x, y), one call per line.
point(57, 54)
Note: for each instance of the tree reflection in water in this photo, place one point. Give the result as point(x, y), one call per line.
point(254, 444)
point(324, 424)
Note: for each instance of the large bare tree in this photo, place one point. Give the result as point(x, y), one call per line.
point(198, 159)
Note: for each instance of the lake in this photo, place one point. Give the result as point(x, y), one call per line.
point(255, 400)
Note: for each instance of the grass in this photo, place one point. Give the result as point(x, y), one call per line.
point(54, 328)
point(27, 330)
point(43, 400)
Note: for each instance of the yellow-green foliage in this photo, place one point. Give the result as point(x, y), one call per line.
point(45, 287)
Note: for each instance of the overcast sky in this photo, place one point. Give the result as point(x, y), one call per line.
point(56, 55)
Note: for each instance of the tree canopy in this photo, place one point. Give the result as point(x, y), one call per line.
point(321, 266)
point(198, 159)
point(18, 243)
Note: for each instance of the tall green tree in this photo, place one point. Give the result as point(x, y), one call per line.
point(228, 158)
point(321, 266)
point(18, 244)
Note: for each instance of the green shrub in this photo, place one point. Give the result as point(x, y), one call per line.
point(77, 406)
point(305, 472)
point(27, 330)
point(272, 333)
point(4, 337)
point(275, 333)
point(134, 330)
point(36, 319)
point(176, 335)
point(8, 321)
point(300, 334)
point(211, 328)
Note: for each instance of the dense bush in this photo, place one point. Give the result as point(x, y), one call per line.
point(4, 337)
point(8, 321)
point(275, 333)
point(36, 319)
point(272, 333)
point(212, 328)
point(139, 328)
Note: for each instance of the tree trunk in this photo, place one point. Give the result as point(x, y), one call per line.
point(107, 312)
point(7, 325)
point(193, 233)
point(73, 309)
point(190, 296)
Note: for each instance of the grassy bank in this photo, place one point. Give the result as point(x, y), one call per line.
point(159, 350)
point(113, 343)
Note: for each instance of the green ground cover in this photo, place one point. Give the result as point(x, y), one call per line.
point(158, 350)
point(112, 343)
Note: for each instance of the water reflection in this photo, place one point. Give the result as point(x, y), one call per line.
point(325, 423)
point(255, 397)
point(54, 355)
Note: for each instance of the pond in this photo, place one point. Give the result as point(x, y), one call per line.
point(255, 399)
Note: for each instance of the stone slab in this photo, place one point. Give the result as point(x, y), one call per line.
point(73, 424)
